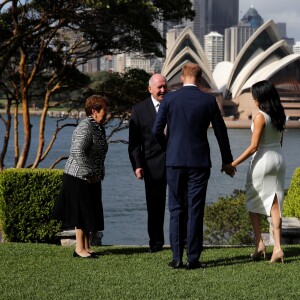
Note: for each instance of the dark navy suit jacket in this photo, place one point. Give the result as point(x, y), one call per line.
point(188, 113)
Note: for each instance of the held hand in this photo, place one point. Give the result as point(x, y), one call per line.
point(229, 169)
point(139, 173)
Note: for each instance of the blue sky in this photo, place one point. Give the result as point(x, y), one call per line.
point(286, 11)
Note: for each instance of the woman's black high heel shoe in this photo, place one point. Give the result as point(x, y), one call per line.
point(261, 251)
point(75, 254)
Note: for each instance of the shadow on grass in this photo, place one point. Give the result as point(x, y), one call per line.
point(291, 255)
point(236, 260)
point(128, 250)
point(242, 259)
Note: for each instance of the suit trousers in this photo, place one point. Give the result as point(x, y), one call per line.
point(187, 195)
point(156, 204)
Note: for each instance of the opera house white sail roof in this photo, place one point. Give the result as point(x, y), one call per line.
point(264, 56)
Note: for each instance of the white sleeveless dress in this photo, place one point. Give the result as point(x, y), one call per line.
point(266, 173)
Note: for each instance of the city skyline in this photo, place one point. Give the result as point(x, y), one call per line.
point(279, 11)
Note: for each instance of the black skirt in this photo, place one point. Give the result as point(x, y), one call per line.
point(79, 204)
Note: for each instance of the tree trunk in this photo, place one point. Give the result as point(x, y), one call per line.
point(27, 133)
point(25, 111)
point(16, 133)
point(7, 124)
point(42, 131)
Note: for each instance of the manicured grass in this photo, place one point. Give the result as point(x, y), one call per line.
point(41, 271)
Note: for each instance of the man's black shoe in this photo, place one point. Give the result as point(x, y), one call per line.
point(175, 264)
point(155, 249)
point(195, 265)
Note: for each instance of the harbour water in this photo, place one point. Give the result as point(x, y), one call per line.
point(124, 196)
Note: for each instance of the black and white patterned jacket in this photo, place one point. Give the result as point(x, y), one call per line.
point(88, 150)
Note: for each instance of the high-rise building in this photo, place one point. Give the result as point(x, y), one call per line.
point(296, 48)
point(172, 36)
point(251, 18)
point(236, 37)
point(213, 15)
point(281, 29)
point(214, 48)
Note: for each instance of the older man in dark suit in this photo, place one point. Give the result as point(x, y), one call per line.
point(188, 113)
point(148, 159)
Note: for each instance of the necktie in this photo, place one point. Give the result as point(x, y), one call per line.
point(157, 107)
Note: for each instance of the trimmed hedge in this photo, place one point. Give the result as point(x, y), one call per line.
point(227, 221)
point(291, 206)
point(27, 197)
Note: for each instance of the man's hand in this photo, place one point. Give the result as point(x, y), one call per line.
point(229, 169)
point(139, 173)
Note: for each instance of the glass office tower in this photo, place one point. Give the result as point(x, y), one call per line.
point(214, 15)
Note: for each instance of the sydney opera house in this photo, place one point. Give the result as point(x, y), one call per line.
point(264, 56)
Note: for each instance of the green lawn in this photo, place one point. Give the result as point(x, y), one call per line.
point(41, 271)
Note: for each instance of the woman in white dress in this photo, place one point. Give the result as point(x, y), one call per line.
point(266, 173)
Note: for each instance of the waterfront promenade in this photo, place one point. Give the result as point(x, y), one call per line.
point(241, 124)
point(230, 123)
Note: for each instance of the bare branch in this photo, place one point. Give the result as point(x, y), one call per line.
point(58, 161)
point(54, 136)
point(118, 141)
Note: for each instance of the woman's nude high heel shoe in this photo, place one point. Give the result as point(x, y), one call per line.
point(277, 256)
point(260, 251)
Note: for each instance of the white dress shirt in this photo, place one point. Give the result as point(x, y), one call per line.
point(155, 103)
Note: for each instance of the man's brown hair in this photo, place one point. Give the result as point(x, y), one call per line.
point(192, 70)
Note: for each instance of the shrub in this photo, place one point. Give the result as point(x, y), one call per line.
point(27, 197)
point(291, 207)
point(227, 221)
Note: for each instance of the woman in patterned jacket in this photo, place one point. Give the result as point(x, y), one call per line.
point(80, 201)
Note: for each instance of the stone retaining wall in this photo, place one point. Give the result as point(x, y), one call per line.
point(290, 233)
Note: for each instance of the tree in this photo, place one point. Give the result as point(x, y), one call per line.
point(107, 26)
point(123, 90)
point(51, 38)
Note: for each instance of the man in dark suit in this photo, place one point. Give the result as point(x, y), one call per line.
point(188, 113)
point(148, 159)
